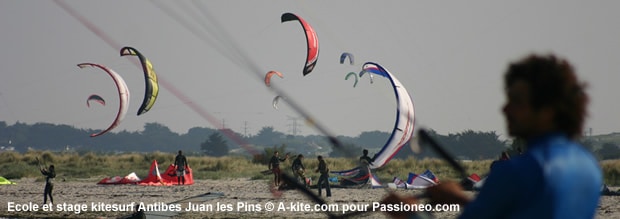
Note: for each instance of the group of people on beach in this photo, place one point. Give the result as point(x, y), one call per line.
point(299, 171)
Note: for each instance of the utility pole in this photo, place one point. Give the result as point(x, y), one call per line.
point(245, 128)
point(293, 126)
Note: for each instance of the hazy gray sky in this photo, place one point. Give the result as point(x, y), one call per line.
point(450, 56)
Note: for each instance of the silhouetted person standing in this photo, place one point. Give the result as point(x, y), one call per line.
point(50, 174)
point(365, 158)
point(180, 163)
point(274, 166)
point(324, 177)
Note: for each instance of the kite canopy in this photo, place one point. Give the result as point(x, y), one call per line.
point(96, 98)
point(352, 74)
point(271, 74)
point(363, 73)
point(168, 178)
point(151, 87)
point(311, 39)
point(403, 127)
point(275, 101)
point(360, 176)
point(344, 57)
point(131, 178)
point(123, 93)
point(472, 182)
point(415, 181)
point(4, 181)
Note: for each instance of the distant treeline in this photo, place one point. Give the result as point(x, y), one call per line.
point(466, 145)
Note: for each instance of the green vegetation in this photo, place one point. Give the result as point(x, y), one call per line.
point(72, 166)
point(198, 141)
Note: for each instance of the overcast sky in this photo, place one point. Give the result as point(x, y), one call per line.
point(449, 56)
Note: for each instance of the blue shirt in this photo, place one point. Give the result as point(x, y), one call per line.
point(555, 178)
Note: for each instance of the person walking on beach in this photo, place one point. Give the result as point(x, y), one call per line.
point(274, 166)
point(324, 177)
point(50, 174)
point(546, 106)
point(180, 164)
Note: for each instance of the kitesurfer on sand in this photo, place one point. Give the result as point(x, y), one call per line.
point(324, 177)
point(298, 169)
point(180, 164)
point(365, 158)
point(274, 166)
point(50, 174)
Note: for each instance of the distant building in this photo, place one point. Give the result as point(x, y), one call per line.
point(7, 148)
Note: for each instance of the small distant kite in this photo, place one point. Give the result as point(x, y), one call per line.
point(96, 98)
point(275, 101)
point(269, 75)
point(352, 74)
point(344, 57)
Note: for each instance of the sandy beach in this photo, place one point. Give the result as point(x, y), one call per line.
point(241, 198)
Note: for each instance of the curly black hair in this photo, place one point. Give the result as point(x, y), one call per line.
point(553, 83)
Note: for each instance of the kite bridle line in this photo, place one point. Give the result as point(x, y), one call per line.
point(252, 67)
point(178, 94)
point(237, 56)
point(223, 39)
point(39, 163)
point(42, 165)
point(424, 137)
point(246, 62)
